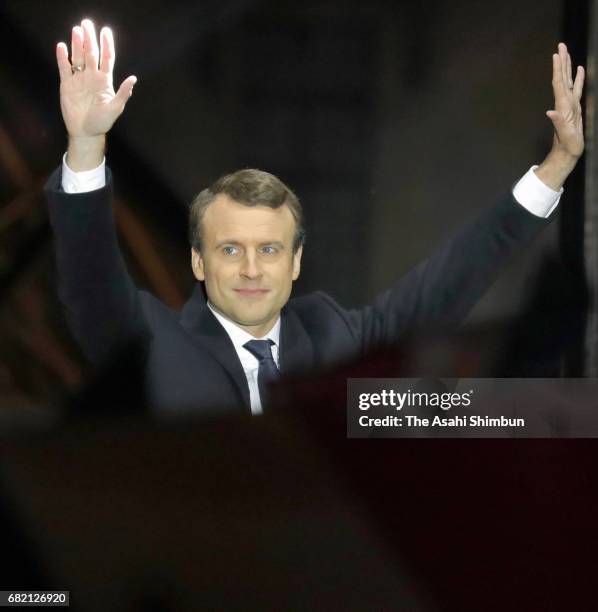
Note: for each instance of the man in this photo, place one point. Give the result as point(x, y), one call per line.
point(247, 241)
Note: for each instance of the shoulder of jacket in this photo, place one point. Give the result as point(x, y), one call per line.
point(317, 299)
point(154, 309)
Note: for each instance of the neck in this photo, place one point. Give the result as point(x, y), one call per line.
point(257, 331)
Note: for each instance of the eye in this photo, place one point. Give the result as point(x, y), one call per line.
point(269, 250)
point(230, 250)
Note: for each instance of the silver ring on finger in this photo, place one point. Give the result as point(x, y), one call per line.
point(80, 68)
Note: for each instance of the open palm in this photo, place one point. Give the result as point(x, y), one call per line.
point(567, 116)
point(89, 104)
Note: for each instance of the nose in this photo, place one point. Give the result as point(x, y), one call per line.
point(250, 266)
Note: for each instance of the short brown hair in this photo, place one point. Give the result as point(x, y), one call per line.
point(250, 188)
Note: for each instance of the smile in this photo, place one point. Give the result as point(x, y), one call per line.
point(251, 292)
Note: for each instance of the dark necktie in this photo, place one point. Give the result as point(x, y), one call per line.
point(267, 371)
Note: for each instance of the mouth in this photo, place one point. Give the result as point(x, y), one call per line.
point(251, 292)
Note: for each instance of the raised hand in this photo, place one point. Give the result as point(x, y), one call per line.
point(567, 116)
point(567, 120)
point(89, 104)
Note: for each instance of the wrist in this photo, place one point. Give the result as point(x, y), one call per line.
point(555, 169)
point(85, 152)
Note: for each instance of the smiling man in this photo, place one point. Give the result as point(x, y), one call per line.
point(247, 237)
point(247, 234)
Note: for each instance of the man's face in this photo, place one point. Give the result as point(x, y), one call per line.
point(247, 261)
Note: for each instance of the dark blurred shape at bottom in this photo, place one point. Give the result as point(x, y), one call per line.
point(283, 512)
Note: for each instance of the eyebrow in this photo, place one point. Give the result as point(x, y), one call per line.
point(275, 243)
point(223, 242)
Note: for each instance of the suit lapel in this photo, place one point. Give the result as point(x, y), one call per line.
point(296, 348)
point(203, 326)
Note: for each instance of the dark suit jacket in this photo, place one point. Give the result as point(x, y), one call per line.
point(190, 361)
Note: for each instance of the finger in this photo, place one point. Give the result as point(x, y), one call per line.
point(563, 58)
point(90, 45)
point(554, 116)
point(124, 92)
point(569, 72)
point(557, 75)
point(579, 80)
point(62, 59)
point(107, 54)
point(77, 46)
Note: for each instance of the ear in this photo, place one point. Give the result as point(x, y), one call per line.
point(197, 265)
point(297, 262)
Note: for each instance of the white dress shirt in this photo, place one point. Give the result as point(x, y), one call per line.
point(80, 182)
point(530, 192)
point(250, 362)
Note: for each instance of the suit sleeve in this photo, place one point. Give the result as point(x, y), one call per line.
point(439, 293)
point(102, 305)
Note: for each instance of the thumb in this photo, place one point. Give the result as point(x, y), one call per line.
point(124, 91)
point(555, 117)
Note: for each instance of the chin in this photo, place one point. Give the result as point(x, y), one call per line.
point(254, 322)
point(248, 318)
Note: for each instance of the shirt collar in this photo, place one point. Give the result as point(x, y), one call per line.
point(239, 336)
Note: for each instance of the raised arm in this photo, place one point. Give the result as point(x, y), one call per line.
point(567, 119)
point(101, 302)
point(87, 99)
point(440, 292)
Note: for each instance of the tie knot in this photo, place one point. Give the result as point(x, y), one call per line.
point(260, 349)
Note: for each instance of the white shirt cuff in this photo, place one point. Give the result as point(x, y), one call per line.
point(81, 182)
point(534, 195)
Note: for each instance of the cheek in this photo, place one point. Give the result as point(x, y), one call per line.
point(221, 275)
point(284, 276)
